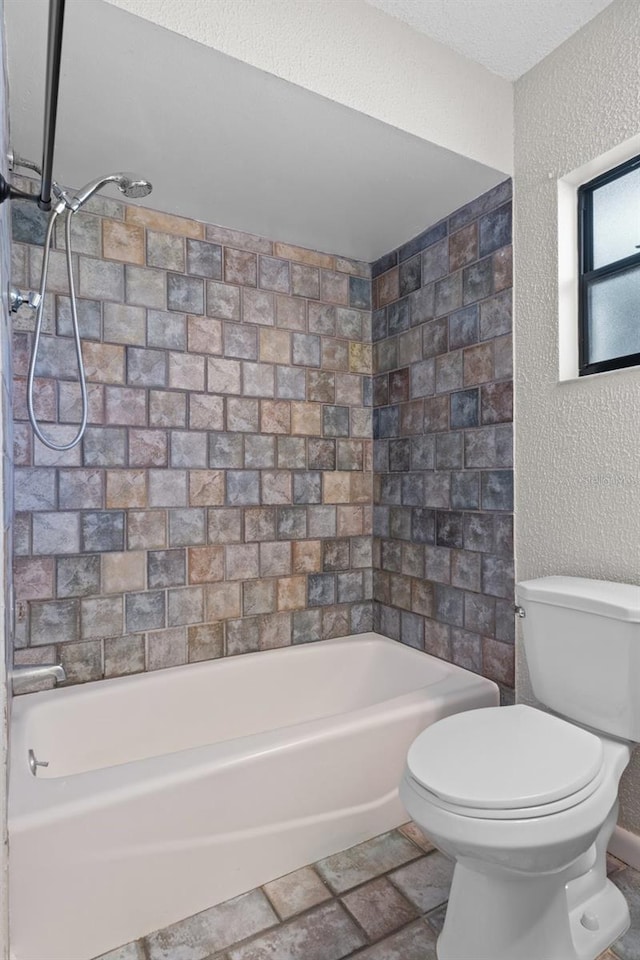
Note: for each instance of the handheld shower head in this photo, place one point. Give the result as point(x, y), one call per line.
point(134, 187)
point(128, 183)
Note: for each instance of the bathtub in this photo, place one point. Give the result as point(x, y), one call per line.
point(167, 793)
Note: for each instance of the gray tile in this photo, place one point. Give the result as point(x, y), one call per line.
point(495, 230)
point(187, 527)
point(306, 349)
point(223, 300)
point(497, 490)
point(497, 576)
point(89, 319)
point(243, 487)
point(448, 294)
point(77, 576)
point(146, 368)
point(185, 294)
point(144, 611)
point(212, 930)
point(426, 882)
point(628, 882)
point(103, 530)
point(165, 330)
point(35, 489)
point(415, 942)
point(240, 341)
point(56, 621)
point(296, 892)
point(101, 617)
point(145, 287)
point(166, 568)
point(464, 409)
point(82, 662)
point(449, 606)
point(348, 869)
point(306, 938)
point(185, 605)
point(204, 259)
point(55, 533)
point(165, 250)
point(495, 316)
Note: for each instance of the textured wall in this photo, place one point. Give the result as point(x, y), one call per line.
point(221, 499)
point(443, 482)
point(7, 491)
point(349, 52)
point(577, 442)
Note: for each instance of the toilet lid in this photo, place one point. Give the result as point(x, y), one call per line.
point(504, 758)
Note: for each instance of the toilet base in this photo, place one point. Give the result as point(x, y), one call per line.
point(509, 916)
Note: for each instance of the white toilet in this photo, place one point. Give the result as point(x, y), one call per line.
point(525, 801)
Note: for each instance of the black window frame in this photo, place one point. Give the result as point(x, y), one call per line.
point(587, 274)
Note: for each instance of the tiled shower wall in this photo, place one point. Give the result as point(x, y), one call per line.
point(443, 484)
point(221, 499)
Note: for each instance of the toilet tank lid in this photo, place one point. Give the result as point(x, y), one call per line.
point(619, 601)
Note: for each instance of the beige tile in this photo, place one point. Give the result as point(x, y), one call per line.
point(206, 488)
point(306, 938)
point(379, 908)
point(103, 362)
point(413, 831)
point(206, 564)
point(275, 416)
point(415, 942)
point(360, 357)
point(307, 556)
point(292, 593)
point(212, 930)
point(123, 572)
point(126, 489)
point(275, 345)
point(336, 487)
point(222, 601)
point(426, 881)
point(204, 335)
point(164, 222)
point(302, 255)
point(297, 892)
point(205, 642)
point(368, 860)
point(123, 241)
point(306, 419)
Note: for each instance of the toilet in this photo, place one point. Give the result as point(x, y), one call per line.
point(525, 800)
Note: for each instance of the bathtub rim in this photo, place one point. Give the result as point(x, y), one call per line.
point(35, 801)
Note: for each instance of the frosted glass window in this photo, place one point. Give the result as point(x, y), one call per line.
point(614, 316)
point(609, 292)
point(616, 219)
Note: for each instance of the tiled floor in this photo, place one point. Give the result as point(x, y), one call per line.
point(382, 900)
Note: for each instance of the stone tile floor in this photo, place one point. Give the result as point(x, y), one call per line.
point(381, 900)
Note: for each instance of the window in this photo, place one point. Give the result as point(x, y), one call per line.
point(609, 256)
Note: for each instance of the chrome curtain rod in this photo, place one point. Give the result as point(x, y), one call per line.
point(54, 51)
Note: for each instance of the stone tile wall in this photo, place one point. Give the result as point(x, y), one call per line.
point(221, 499)
point(443, 483)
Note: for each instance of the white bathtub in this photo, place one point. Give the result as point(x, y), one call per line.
point(170, 792)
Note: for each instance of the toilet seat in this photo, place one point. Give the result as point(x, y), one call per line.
point(510, 763)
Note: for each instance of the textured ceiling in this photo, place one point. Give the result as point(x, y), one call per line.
point(224, 142)
point(507, 36)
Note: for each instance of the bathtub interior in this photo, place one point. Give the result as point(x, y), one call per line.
point(119, 721)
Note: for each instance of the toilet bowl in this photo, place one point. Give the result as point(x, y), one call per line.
point(526, 810)
point(525, 801)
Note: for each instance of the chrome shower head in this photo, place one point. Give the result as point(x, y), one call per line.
point(134, 187)
point(128, 183)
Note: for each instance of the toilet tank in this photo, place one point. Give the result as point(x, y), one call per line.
point(582, 641)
